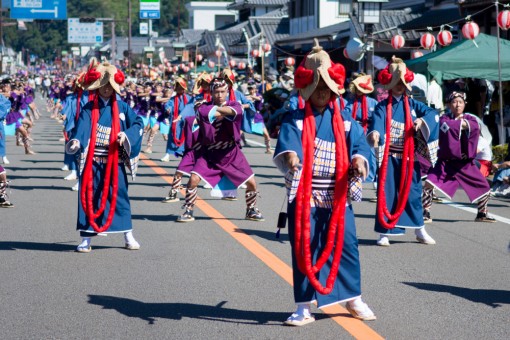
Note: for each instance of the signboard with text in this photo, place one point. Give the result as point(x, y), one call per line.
point(39, 9)
point(149, 9)
point(84, 33)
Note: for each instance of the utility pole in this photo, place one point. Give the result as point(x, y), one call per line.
point(129, 35)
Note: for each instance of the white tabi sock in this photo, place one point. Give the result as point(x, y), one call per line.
point(129, 238)
point(85, 242)
point(356, 303)
point(303, 309)
point(421, 233)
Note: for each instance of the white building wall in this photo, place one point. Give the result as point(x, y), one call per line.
point(329, 13)
point(202, 15)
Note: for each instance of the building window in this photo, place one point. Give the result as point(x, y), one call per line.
point(344, 7)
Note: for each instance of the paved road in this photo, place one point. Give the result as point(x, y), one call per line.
point(223, 277)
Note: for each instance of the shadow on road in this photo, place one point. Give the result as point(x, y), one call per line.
point(490, 297)
point(176, 311)
point(59, 247)
point(268, 235)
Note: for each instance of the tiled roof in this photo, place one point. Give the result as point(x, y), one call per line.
point(273, 29)
point(390, 22)
point(433, 18)
point(191, 35)
point(477, 3)
point(241, 4)
point(333, 32)
point(279, 12)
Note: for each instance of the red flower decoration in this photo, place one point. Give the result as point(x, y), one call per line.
point(409, 76)
point(337, 73)
point(384, 76)
point(119, 77)
point(92, 75)
point(303, 77)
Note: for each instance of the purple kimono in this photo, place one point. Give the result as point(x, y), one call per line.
point(456, 159)
point(220, 138)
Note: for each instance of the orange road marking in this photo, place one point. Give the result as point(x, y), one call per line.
point(358, 329)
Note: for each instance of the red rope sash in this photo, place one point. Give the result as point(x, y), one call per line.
point(111, 176)
point(177, 141)
point(364, 111)
point(407, 169)
point(335, 236)
point(78, 101)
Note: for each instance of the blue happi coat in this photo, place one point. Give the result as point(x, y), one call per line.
point(248, 113)
point(425, 143)
point(171, 147)
point(348, 282)
point(132, 126)
point(5, 107)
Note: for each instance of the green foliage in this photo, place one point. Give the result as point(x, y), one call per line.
point(499, 153)
point(46, 38)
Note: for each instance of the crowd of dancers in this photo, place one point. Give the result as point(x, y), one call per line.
point(327, 147)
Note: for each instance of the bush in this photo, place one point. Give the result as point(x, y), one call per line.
point(499, 153)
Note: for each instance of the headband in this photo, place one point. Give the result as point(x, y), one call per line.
point(456, 94)
point(218, 83)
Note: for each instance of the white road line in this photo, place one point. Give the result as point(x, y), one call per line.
point(251, 141)
point(473, 210)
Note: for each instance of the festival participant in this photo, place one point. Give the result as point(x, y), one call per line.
point(175, 107)
point(108, 136)
point(155, 112)
point(316, 148)
point(455, 166)
point(219, 122)
point(361, 108)
point(4, 202)
point(15, 117)
point(257, 123)
point(402, 127)
point(5, 107)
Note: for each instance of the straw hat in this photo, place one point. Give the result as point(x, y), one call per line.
point(229, 76)
point(362, 83)
point(182, 83)
point(103, 74)
point(317, 65)
point(394, 73)
point(202, 77)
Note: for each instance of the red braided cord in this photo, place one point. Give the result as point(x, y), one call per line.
point(177, 141)
point(407, 169)
point(78, 101)
point(232, 95)
point(87, 193)
point(302, 237)
point(355, 109)
point(364, 113)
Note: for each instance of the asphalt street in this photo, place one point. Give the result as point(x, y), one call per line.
point(223, 277)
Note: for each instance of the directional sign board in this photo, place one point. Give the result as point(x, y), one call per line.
point(39, 9)
point(84, 33)
point(149, 9)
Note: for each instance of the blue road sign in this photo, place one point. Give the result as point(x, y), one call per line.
point(149, 14)
point(39, 9)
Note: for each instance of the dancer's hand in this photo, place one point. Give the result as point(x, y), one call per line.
point(292, 161)
point(373, 139)
point(75, 145)
point(121, 138)
point(418, 124)
point(358, 166)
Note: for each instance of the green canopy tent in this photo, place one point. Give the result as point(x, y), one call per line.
point(467, 59)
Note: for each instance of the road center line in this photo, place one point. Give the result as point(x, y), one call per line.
point(461, 206)
point(358, 329)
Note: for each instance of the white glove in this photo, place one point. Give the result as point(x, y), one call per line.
point(121, 138)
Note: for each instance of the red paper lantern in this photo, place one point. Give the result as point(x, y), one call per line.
point(218, 53)
point(138, 65)
point(444, 38)
point(165, 60)
point(211, 64)
point(191, 64)
point(181, 66)
point(200, 57)
point(232, 63)
point(346, 55)
point(416, 54)
point(290, 61)
point(167, 64)
point(504, 20)
point(241, 65)
point(185, 69)
point(398, 42)
point(175, 69)
point(470, 30)
point(427, 41)
point(255, 53)
point(266, 47)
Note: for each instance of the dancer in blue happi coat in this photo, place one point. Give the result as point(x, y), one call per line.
point(5, 107)
point(108, 137)
point(317, 149)
point(401, 128)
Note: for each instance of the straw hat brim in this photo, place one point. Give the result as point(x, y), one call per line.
point(321, 72)
point(107, 76)
point(362, 84)
point(398, 75)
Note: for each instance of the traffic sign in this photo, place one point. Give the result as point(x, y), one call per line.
point(149, 9)
point(39, 9)
point(84, 33)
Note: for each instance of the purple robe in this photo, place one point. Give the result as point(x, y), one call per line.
point(220, 138)
point(456, 159)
